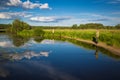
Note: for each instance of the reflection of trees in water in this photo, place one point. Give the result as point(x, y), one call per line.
point(89, 46)
point(19, 40)
point(97, 49)
point(38, 39)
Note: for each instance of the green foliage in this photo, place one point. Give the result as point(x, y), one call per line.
point(4, 27)
point(74, 26)
point(117, 26)
point(18, 25)
point(110, 37)
point(26, 33)
point(38, 39)
point(38, 32)
point(89, 26)
point(19, 40)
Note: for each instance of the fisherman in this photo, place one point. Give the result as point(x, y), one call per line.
point(95, 39)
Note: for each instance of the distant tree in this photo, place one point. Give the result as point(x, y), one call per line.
point(117, 26)
point(89, 26)
point(81, 26)
point(5, 26)
point(94, 25)
point(74, 26)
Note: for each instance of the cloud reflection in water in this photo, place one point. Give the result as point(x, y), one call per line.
point(29, 55)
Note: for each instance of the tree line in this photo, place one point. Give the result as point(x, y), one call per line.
point(82, 26)
point(4, 26)
point(18, 25)
point(94, 26)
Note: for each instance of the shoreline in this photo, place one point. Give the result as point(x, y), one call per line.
point(100, 44)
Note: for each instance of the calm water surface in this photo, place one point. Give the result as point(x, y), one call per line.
point(48, 59)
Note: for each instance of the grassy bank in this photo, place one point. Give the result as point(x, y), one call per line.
point(110, 37)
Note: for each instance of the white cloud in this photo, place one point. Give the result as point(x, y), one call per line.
point(49, 19)
point(5, 16)
point(27, 16)
point(28, 4)
point(13, 15)
point(14, 2)
point(43, 19)
point(45, 6)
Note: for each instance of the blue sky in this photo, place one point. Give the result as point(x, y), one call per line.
point(60, 12)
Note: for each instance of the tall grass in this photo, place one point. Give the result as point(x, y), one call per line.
point(110, 37)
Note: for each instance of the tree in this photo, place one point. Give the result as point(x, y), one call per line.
point(39, 32)
point(74, 26)
point(81, 26)
point(117, 26)
point(18, 25)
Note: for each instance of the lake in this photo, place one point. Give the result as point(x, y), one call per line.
point(33, 58)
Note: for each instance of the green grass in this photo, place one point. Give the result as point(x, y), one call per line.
point(26, 33)
point(110, 37)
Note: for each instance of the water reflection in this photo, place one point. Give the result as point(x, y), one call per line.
point(19, 40)
point(6, 44)
point(3, 72)
point(28, 55)
point(43, 71)
point(24, 55)
point(93, 47)
point(48, 42)
point(32, 58)
point(96, 52)
point(26, 42)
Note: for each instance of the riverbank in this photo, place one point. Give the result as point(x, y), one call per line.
point(108, 39)
point(100, 44)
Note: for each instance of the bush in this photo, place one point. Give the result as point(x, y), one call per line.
point(38, 32)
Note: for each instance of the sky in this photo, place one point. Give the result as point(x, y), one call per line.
point(60, 12)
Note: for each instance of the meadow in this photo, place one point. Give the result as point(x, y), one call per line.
point(110, 37)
